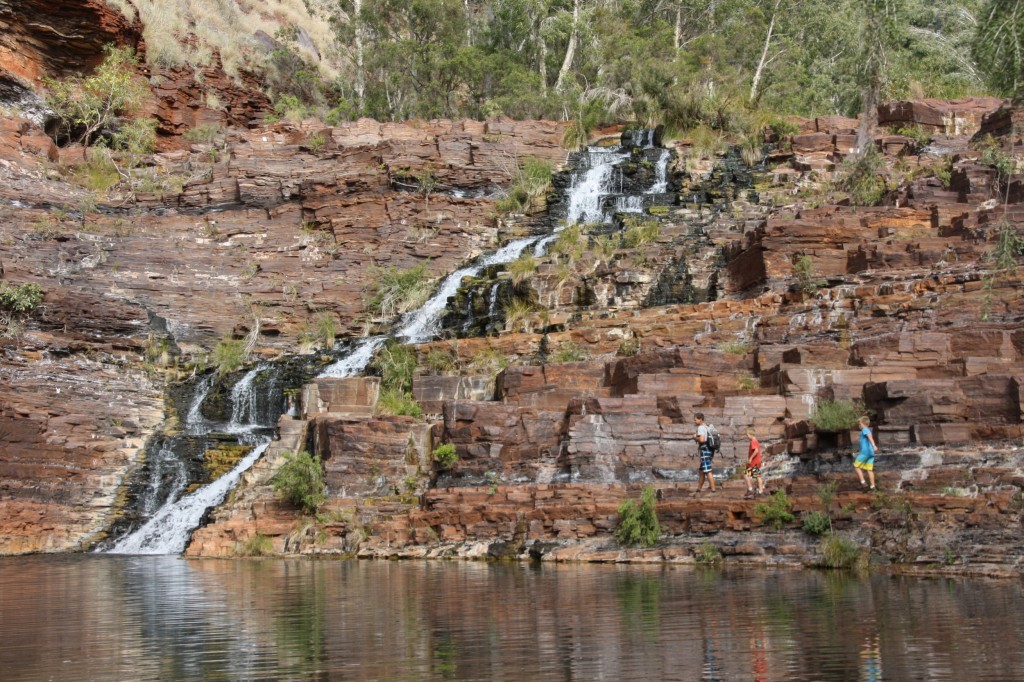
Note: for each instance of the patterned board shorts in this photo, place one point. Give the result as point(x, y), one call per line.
point(705, 461)
point(754, 472)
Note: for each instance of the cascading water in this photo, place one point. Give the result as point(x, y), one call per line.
point(164, 516)
point(169, 529)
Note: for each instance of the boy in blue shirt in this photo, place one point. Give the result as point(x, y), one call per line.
point(866, 458)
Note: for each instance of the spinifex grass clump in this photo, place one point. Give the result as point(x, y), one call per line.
point(396, 363)
point(638, 525)
point(398, 291)
point(300, 480)
point(832, 416)
point(531, 181)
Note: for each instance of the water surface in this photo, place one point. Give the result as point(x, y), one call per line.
point(102, 617)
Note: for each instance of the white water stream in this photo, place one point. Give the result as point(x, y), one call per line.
point(168, 531)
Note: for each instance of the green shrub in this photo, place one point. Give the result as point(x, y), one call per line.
point(204, 134)
point(83, 106)
point(639, 232)
point(488, 361)
point(229, 355)
point(257, 545)
point(20, 299)
point(398, 291)
point(134, 140)
point(98, 173)
point(638, 525)
point(395, 363)
point(777, 512)
point(442, 362)
point(817, 522)
point(522, 269)
point(859, 177)
point(569, 352)
point(707, 553)
point(398, 403)
point(628, 347)
point(531, 180)
point(833, 416)
point(316, 142)
point(300, 480)
point(445, 455)
point(803, 268)
point(839, 551)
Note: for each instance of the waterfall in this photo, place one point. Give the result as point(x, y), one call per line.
point(492, 304)
point(169, 530)
point(357, 359)
point(256, 403)
point(588, 191)
point(629, 204)
point(660, 185)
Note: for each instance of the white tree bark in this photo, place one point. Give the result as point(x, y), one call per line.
point(759, 72)
point(570, 50)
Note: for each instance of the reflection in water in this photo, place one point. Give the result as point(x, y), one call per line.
point(166, 618)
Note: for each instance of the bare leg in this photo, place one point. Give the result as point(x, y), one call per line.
point(750, 482)
point(860, 474)
point(711, 480)
point(871, 477)
point(700, 480)
point(760, 485)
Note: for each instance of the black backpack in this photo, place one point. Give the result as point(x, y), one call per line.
point(714, 439)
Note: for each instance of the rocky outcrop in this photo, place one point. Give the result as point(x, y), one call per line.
point(40, 39)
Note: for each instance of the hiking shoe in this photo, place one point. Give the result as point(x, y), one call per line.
point(872, 489)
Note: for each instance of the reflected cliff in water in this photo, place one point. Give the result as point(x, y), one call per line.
point(148, 618)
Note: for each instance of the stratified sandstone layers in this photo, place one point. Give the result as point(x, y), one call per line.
point(902, 312)
point(265, 233)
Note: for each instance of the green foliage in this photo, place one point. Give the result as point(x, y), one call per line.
point(827, 493)
point(398, 291)
point(442, 362)
point(832, 416)
point(859, 177)
point(707, 553)
point(83, 106)
point(134, 140)
point(639, 231)
point(316, 142)
point(839, 551)
point(229, 355)
point(398, 403)
point(569, 352)
point(445, 455)
point(531, 180)
point(999, 47)
point(736, 347)
point(300, 480)
point(257, 545)
point(98, 173)
point(638, 525)
point(1008, 248)
point(522, 269)
point(628, 347)
point(993, 154)
point(807, 280)
point(571, 243)
point(489, 361)
point(204, 134)
point(777, 511)
point(20, 299)
point(395, 363)
point(922, 136)
point(817, 522)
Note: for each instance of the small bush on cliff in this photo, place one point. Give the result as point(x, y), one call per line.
point(395, 363)
point(817, 522)
point(399, 404)
point(529, 181)
point(639, 525)
point(398, 291)
point(806, 279)
point(257, 545)
point(20, 299)
point(1003, 260)
point(83, 106)
point(839, 551)
point(777, 512)
point(832, 416)
point(229, 355)
point(300, 480)
point(859, 177)
point(445, 455)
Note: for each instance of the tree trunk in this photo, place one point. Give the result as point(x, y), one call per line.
point(570, 50)
point(764, 55)
point(360, 84)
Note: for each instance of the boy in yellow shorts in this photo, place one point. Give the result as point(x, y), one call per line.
point(866, 459)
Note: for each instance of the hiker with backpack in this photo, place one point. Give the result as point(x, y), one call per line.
point(707, 443)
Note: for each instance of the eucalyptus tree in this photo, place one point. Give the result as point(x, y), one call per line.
point(999, 46)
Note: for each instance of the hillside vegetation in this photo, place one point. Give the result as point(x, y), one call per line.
point(685, 63)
